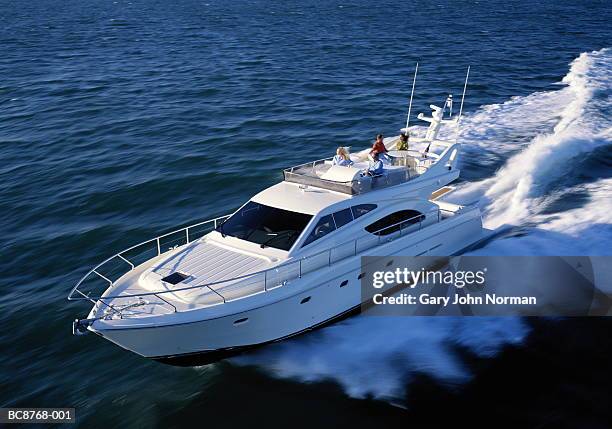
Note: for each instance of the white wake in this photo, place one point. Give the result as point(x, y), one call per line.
point(517, 193)
point(540, 137)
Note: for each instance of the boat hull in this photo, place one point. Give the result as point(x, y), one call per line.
point(212, 356)
point(300, 305)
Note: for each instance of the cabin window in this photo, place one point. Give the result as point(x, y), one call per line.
point(241, 321)
point(394, 221)
point(362, 209)
point(264, 225)
point(343, 217)
point(324, 226)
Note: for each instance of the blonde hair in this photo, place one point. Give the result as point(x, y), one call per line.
point(343, 153)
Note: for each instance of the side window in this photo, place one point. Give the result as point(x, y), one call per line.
point(394, 221)
point(362, 209)
point(323, 227)
point(343, 217)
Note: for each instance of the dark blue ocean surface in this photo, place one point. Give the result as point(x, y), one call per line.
point(120, 120)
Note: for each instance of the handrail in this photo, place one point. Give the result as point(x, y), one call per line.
point(306, 164)
point(303, 174)
point(299, 262)
point(312, 164)
point(120, 255)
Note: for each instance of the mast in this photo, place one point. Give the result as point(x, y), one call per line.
point(411, 95)
point(463, 96)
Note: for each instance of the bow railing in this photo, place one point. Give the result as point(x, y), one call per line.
point(160, 244)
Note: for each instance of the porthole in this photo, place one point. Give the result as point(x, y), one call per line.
point(344, 283)
point(361, 276)
point(241, 321)
point(390, 263)
point(305, 300)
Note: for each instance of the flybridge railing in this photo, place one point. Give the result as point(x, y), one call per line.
point(263, 280)
point(306, 174)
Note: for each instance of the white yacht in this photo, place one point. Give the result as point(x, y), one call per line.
point(287, 261)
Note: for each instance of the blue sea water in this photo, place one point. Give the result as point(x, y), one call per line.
point(123, 119)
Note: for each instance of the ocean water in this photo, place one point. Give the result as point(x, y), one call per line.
point(120, 120)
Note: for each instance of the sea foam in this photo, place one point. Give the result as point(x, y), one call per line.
point(375, 356)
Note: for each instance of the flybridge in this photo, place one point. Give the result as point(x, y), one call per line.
point(400, 169)
point(400, 166)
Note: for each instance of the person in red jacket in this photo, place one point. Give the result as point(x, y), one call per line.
point(379, 146)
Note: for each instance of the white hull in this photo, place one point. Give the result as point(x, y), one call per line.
point(281, 312)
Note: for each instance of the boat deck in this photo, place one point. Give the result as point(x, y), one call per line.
point(228, 273)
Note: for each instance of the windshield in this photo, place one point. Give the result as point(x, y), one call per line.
point(265, 225)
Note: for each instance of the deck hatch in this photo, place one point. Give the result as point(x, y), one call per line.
point(175, 278)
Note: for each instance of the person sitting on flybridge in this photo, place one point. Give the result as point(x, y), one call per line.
point(342, 158)
point(402, 144)
point(378, 145)
point(375, 165)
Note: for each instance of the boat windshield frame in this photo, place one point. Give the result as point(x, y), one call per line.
point(274, 227)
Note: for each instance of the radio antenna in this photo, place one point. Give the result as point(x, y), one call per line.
point(411, 95)
point(463, 96)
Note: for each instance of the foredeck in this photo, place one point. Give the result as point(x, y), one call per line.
point(205, 262)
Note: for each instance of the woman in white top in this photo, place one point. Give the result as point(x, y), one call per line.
point(342, 157)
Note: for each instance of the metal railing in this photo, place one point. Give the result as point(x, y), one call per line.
point(306, 174)
point(270, 278)
point(157, 241)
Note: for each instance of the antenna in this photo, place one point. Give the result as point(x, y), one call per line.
point(463, 96)
point(411, 95)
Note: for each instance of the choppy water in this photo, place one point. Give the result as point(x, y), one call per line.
point(121, 119)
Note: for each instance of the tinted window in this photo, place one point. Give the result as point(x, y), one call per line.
point(362, 209)
point(323, 227)
point(394, 222)
point(343, 217)
point(268, 226)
